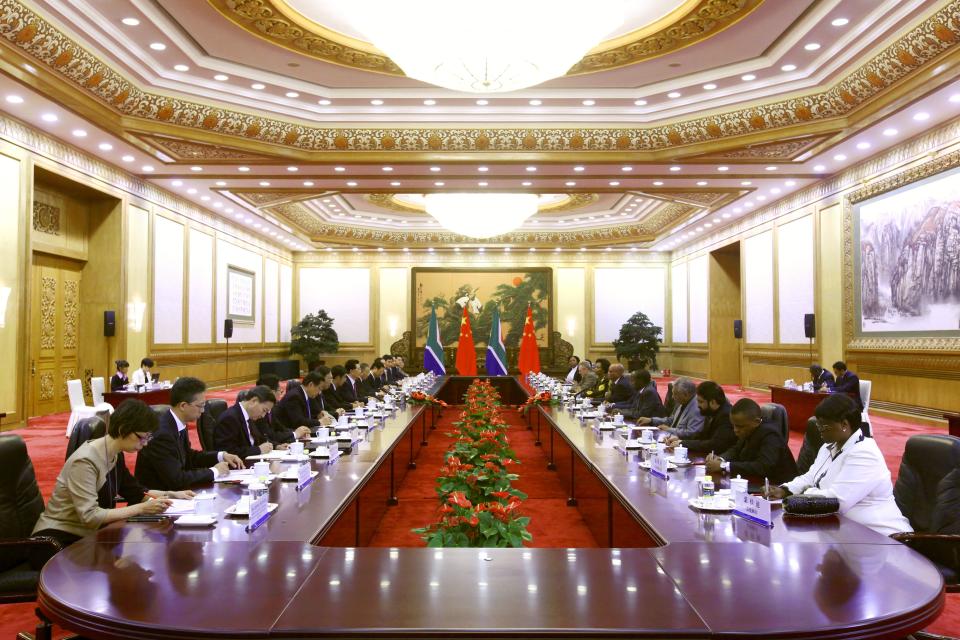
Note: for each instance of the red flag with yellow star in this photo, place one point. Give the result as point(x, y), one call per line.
point(529, 359)
point(466, 351)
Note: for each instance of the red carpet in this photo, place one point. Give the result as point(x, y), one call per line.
point(46, 443)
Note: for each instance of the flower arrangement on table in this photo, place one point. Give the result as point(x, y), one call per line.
point(544, 398)
point(478, 505)
point(419, 397)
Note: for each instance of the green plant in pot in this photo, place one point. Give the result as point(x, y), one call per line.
point(639, 342)
point(313, 336)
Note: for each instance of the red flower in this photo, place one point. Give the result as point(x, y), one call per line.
point(459, 499)
point(500, 494)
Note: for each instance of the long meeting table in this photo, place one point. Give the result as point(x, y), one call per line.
point(663, 570)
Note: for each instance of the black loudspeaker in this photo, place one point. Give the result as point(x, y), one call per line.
point(809, 325)
point(109, 324)
point(738, 329)
point(228, 328)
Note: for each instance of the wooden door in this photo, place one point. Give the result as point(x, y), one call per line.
point(55, 332)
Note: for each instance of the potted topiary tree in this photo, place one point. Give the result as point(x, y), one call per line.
point(639, 342)
point(313, 336)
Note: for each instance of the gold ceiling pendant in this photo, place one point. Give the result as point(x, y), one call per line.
point(275, 21)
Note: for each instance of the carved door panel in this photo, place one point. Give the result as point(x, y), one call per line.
point(55, 300)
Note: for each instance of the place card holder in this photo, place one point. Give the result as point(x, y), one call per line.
point(304, 475)
point(658, 465)
point(754, 509)
point(259, 507)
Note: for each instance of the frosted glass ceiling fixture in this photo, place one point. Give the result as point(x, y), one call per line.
point(481, 215)
point(485, 46)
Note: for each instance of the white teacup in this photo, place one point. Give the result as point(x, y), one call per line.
point(358, 412)
point(296, 449)
point(646, 435)
point(618, 419)
point(343, 420)
point(323, 433)
point(261, 469)
point(680, 452)
point(738, 485)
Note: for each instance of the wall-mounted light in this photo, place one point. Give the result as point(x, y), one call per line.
point(571, 326)
point(394, 324)
point(4, 297)
point(135, 311)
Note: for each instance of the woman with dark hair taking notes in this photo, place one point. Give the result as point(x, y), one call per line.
point(120, 379)
point(850, 468)
point(73, 510)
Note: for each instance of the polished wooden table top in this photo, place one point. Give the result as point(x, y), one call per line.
point(714, 575)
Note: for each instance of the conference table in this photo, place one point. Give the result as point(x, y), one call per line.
point(152, 395)
point(953, 423)
point(666, 570)
point(799, 404)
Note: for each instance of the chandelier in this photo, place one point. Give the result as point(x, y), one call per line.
point(481, 215)
point(485, 46)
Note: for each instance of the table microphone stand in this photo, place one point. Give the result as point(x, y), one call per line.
point(226, 367)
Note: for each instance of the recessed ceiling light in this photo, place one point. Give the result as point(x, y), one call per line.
point(339, 169)
point(812, 46)
point(394, 184)
point(221, 77)
point(483, 169)
point(658, 183)
point(819, 168)
point(438, 184)
point(723, 168)
point(790, 183)
point(387, 169)
point(839, 22)
point(578, 169)
point(292, 94)
point(351, 184)
point(746, 183)
point(105, 146)
point(376, 102)
point(583, 249)
point(890, 132)
point(920, 117)
point(775, 190)
point(177, 183)
point(481, 250)
point(79, 133)
point(323, 102)
point(147, 168)
point(526, 184)
point(788, 67)
point(181, 67)
point(264, 183)
point(130, 22)
point(707, 224)
point(674, 94)
point(761, 198)
point(709, 86)
point(735, 210)
point(196, 169)
point(771, 168)
point(49, 117)
point(748, 204)
point(839, 157)
point(640, 103)
point(570, 183)
point(955, 98)
point(588, 103)
point(702, 183)
point(14, 99)
point(535, 103)
point(205, 198)
point(531, 169)
point(506, 249)
point(128, 158)
point(243, 169)
point(429, 103)
point(221, 183)
point(482, 103)
point(258, 86)
point(626, 169)
point(747, 77)
point(157, 46)
point(355, 249)
point(482, 184)
point(29, 67)
point(614, 183)
point(674, 168)
point(863, 145)
point(435, 169)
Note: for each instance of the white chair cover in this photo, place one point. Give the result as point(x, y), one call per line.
point(78, 406)
point(97, 388)
point(866, 386)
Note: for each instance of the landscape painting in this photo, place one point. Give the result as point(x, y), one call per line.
point(482, 290)
point(909, 258)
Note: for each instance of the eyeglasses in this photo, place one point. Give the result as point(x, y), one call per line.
point(196, 405)
point(144, 439)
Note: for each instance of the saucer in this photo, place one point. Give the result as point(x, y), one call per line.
point(713, 506)
point(195, 521)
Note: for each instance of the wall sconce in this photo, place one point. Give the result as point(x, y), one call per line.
point(4, 297)
point(135, 312)
point(393, 324)
point(571, 327)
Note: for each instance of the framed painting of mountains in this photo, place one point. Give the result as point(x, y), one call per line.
point(907, 256)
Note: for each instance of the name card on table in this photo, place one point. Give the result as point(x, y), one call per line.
point(658, 465)
point(304, 475)
point(259, 508)
point(753, 508)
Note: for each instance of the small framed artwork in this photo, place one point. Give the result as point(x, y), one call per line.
point(241, 292)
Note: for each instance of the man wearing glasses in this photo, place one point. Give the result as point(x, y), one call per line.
point(168, 461)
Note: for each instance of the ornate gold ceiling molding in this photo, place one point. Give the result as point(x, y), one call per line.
point(26, 31)
point(199, 153)
point(571, 202)
point(276, 22)
point(779, 151)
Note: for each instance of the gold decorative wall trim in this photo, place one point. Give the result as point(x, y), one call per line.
point(47, 218)
point(25, 30)
point(47, 390)
point(48, 312)
point(71, 314)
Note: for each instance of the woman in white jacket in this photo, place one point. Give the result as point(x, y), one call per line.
point(850, 468)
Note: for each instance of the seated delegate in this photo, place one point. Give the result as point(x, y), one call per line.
point(268, 425)
point(168, 461)
point(760, 450)
point(588, 379)
point(850, 468)
point(646, 401)
point(717, 432)
point(685, 419)
point(820, 377)
point(120, 379)
point(143, 376)
point(599, 391)
point(846, 382)
point(73, 510)
point(620, 392)
point(236, 431)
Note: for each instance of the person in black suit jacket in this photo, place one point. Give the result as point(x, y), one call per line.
point(820, 377)
point(621, 390)
point(331, 396)
point(120, 379)
point(368, 383)
point(168, 462)
point(350, 390)
point(646, 401)
point(272, 429)
point(388, 364)
point(381, 372)
point(297, 407)
point(717, 431)
point(760, 450)
point(236, 431)
point(399, 373)
point(846, 382)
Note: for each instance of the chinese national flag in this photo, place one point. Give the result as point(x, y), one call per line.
point(466, 351)
point(529, 352)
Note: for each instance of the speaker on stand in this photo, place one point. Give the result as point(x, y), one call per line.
point(738, 334)
point(227, 333)
point(109, 331)
point(810, 330)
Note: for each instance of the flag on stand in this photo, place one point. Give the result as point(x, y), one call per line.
point(466, 351)
point(433, 353)
point(529, 352)
point(496, 352)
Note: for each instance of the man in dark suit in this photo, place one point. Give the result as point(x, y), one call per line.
point(331, 395)
point(820, 377)
point(168, 462)
point(297, 408)
point(399, 373)
point(350, 390)
point(621, 390)
point(760, 450)
point(384, 377)
point(646, 401)
point(236, 430)
point(717, 432)
point(274, 430)
point(846, 382)
point(388, 364)
point(320, 405)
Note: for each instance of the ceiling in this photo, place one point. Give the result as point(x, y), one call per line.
point(274, 115)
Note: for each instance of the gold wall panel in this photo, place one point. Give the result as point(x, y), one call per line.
point(48, 312)
point(71, 313)
point(46, 386)
point(46, 218)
